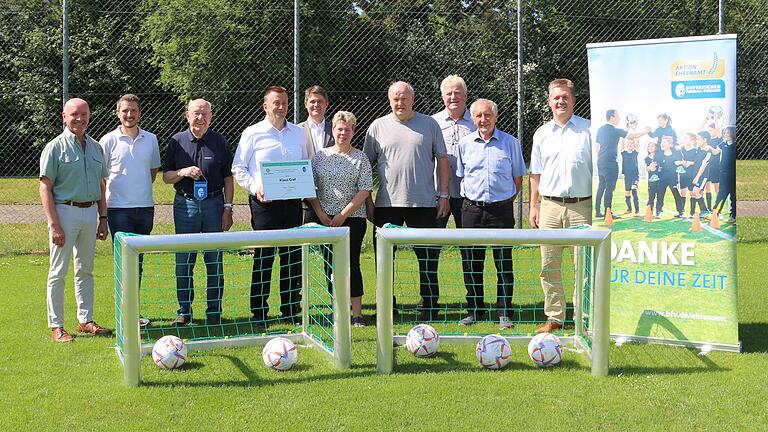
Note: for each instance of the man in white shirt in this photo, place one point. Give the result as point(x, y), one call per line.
point(132, 156)
point(273, 139)
point(317, 133)
point(561, 173)
point(455, 122)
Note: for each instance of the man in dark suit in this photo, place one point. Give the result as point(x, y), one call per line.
point(317, 132)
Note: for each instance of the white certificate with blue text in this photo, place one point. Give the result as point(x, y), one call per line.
point(287, 180)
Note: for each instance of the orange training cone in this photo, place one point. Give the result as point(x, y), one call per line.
point(715, 221)
point(696, 224)
point(648, 214)
point(608, 217)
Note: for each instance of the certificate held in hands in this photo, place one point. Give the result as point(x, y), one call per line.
point(287, 180)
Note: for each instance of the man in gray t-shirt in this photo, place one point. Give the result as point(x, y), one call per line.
point(403, 148)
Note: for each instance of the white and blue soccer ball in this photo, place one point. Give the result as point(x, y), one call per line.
point(493, 352)
point(422, 341)
point(546, 350)
point(169, 352)
point(280, 354)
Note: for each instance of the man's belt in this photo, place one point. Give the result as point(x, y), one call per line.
point(567, 200)
point(489, 204)
point(85, 204)
point(190, 196)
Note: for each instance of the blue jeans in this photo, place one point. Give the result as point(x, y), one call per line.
point(192, 216)
point(135, 220)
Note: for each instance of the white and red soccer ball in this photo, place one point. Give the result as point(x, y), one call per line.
point(493, 352)
point(280, 354)
point(422, 341)
point(169, 352)
point(545, 349)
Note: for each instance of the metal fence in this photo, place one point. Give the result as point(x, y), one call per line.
point(229, 51)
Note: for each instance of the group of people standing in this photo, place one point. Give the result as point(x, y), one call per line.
point(456, 162)
point(691, 167)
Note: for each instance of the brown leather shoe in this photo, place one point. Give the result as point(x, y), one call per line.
point(58, 334)
point(549, 327)
point(182, 320)
point(94, 329)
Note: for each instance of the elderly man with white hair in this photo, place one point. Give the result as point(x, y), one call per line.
point(490, 164)
point(455, 122)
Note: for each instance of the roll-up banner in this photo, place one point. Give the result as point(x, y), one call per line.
point(663, 127)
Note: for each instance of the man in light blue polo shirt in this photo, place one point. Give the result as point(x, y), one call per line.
point(490, 164)
point(72, 193)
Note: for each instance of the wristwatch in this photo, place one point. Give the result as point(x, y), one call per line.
point(229, 206)
point(445, 196)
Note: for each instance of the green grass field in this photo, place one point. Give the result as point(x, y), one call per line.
point(751, 182)
point(79, 386)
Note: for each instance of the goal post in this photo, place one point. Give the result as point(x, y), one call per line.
point(591, 309)
point(130, 346)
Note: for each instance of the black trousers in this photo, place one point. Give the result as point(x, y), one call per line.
point(473, 258)
point(357, 227)
point(273, 215)
point(456, 204)
point(607, 177)
point(416, 217)
point(727, 190)
point(655, 195)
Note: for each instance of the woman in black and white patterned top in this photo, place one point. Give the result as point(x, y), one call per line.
point(343, 180)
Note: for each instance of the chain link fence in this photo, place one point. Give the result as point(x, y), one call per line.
point(167, 51)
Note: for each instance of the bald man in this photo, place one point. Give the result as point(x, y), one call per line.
point(404, 147)
point(72, 193)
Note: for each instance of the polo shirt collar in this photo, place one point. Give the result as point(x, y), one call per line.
point(139, 135)
point(193, 138)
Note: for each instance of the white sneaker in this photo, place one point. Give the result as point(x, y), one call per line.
point(143, 322)
point(505, 323)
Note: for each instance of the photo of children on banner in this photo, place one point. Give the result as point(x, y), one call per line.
point(701, 166)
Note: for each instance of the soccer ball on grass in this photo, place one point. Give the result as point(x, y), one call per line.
point(493, 351)
point(169, 352)
point(545, 349)
point(422, 341)
point(280, 354)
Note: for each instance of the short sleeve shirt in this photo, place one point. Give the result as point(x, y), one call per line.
point(404, 154)
point(488, 169)
point(562, 156)
point(607, 138)
point(453, 131)
point(339, 177)
point(629, 164)
point(210, 153)
point(129, 164)
point(75, 172)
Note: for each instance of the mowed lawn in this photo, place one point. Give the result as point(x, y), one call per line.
point(79, 386)
point(751, 183)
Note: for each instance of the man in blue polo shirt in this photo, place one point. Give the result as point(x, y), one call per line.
point(198, 163)
point(490, 164)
